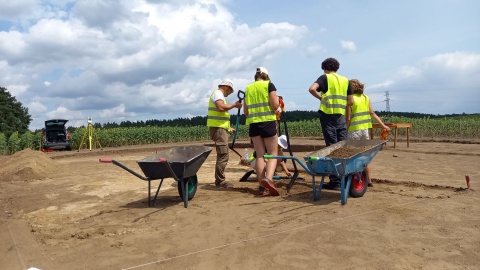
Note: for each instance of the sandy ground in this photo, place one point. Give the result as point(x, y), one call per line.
point(66, 210)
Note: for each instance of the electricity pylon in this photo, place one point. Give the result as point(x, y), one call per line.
point(387, 99)
point(90, 130)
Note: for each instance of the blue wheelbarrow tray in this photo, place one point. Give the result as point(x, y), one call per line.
point(181, 163)
point(346, 168)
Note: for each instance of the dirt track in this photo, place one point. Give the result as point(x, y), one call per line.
point(65, 210)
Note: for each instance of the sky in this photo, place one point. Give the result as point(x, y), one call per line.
point(131, 60)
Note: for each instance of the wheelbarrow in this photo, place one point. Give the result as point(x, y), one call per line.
point(181, 163)
point(350, 167)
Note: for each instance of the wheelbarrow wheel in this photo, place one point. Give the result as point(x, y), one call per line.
point(358, 187)
point(192, 186)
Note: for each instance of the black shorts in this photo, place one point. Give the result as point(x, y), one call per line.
point(263, 129)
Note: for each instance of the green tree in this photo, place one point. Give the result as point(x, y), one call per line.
point(3, 144)
point(13, 116)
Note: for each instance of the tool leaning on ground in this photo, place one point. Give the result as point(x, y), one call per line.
point(241, 97)
point(283, 116)
point(295, 174)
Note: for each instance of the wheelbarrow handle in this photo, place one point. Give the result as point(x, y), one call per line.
point(109, 160)
point(292, 158)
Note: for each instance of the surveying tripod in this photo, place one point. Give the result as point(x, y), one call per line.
point(90, 130)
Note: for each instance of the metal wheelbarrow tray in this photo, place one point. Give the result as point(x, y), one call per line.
point(350, 168)
point(181, 163)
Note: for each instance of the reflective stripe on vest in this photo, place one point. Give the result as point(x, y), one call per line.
point(361, 118)
point(256, 100)
point(335, 100)
point(216, 118)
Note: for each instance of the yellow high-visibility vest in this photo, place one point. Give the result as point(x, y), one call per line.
point(335, 100)
point(257, 102)
point(360, 118)
point(216, 118)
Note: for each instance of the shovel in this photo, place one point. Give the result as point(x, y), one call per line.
point(241, 96)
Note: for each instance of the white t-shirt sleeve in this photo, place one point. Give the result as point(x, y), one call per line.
point(217, 95)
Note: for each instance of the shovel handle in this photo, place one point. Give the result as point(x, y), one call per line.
point(240, 95)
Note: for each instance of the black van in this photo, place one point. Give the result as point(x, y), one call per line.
point(55, 135)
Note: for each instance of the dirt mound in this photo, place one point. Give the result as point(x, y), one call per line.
point(26, 165)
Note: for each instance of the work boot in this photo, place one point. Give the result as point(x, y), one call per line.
point(332, 185)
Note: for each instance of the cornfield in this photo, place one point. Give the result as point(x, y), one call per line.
point(447, 128)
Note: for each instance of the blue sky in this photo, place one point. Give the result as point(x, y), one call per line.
point(119, 60)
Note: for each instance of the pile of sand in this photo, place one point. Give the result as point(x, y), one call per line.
point(26, 165)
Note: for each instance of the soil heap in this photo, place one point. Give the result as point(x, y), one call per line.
point(26, 165)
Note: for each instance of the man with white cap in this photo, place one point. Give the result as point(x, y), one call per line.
point(218, 121)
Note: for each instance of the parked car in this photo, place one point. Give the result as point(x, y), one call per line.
point(55, 135)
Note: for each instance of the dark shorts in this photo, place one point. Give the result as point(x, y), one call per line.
point(263, 129)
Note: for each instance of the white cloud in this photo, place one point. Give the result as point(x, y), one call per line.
point(16, 90)
point(35, 108)
point(116, 60)
point(453, 62)
point(313, 50)
point(414, 87)
point(118, 111)
point(348, 46)
point(381, 85)
point(10, 10)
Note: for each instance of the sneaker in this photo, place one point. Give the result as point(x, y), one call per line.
point(332, 185)
point(268, 184)
point(224, 184)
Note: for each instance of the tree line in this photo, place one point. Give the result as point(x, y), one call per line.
point(14, 117)
point(290, 116)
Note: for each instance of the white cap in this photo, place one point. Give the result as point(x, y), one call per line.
point(262, 70)
point(282, 141)
point(227, 83)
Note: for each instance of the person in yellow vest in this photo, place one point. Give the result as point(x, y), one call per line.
point(359, 117)
point(335, 95)
point(261, 102)
point(218, 121)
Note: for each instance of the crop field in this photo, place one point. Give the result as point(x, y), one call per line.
point(423, 128)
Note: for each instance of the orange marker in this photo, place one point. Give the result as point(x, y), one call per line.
point(384, 134)
point(467, 178)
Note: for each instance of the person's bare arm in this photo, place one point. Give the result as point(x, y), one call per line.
point(222, 107)
point(274, 102)
point(349, 100)
point(313, 91)
point(375, 116)
point(282, 163)
point(348, 115)
point(348, 109)
point(284, 168)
